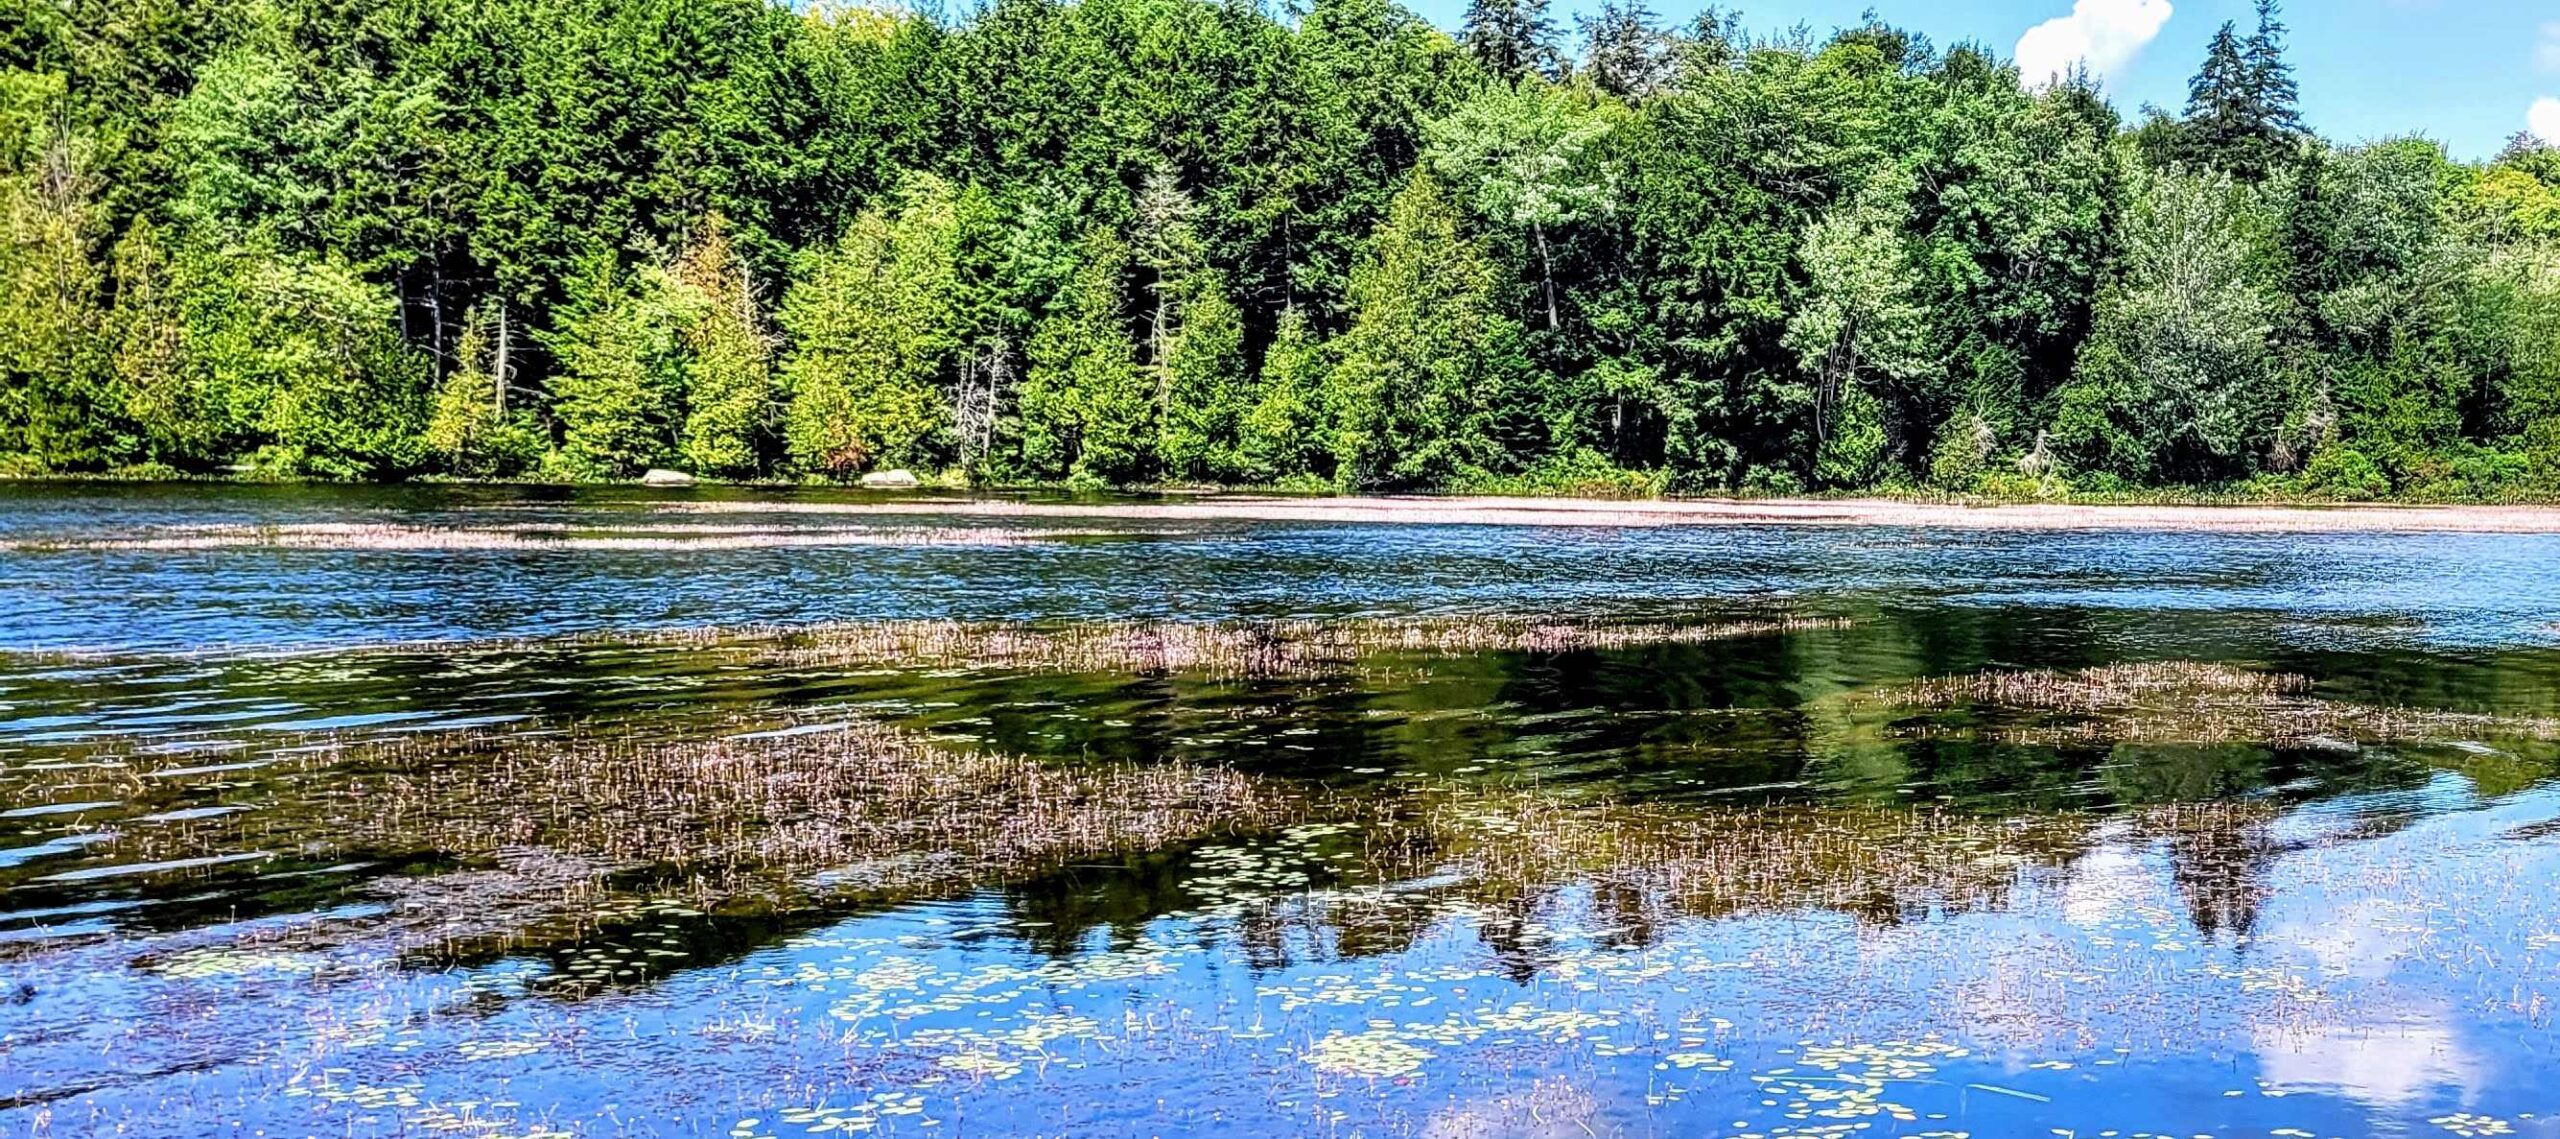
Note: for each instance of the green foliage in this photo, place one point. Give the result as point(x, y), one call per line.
point(303, 357)
point(1859, 329)
point(731, 410)
point(471, 428)
point(1114, 241)
point(1427, 384)
point(619, 393)
point(1088, 411)
point(873, 327)
point(2176, 382)
point(1282, 433)
point(1207, 396)
point(49, 280)
point(1511, 39)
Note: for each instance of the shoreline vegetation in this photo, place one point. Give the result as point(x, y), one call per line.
point(993, 521)
point(1132, 243)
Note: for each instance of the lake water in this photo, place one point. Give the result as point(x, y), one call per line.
point(1760, 884)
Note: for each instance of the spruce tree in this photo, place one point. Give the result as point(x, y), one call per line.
point(1624, 51)
point(2218, 102)
point(2274, 100)
point(2243, 109)
point(1512, 39)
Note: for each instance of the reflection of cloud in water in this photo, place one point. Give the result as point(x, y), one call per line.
point(1545, 1110)
point(2388, 1068)
point(2106, 883)
point(2365, 939)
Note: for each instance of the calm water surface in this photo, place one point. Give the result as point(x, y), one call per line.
point(2368, 943)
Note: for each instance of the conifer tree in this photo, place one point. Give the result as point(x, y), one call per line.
point(1511, 39)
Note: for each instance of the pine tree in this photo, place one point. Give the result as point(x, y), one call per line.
point(2243, 109)
point(2274, 100)
point(1511, 39)
point(1624, 51)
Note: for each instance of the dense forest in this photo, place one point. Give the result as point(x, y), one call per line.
point(1202, 241)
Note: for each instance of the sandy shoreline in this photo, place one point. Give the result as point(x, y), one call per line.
point(1716, 512)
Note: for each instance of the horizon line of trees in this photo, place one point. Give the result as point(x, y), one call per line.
point(1132, 241)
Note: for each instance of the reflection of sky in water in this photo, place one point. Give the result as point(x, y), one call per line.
point(2370, 958)
point(2372, 996)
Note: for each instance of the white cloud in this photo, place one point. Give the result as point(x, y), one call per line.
point(2546, 47)
point(2544, 120)
point(2105, 34)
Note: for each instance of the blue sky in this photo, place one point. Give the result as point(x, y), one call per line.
point(2467, 72)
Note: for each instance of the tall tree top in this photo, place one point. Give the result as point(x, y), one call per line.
point(1625, 52)
point(2243, 114)
point(2269, 79)
point(1511, 38)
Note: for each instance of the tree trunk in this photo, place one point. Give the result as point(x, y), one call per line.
point(1546, 274)
point(499, 368)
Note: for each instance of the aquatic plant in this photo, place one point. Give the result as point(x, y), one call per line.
point(1263, 649)
point(2177, 702)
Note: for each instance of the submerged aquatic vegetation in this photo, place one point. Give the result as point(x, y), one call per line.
point(1657, 861)
point(854, 808)
point(2179, 702)
point(1232, 649)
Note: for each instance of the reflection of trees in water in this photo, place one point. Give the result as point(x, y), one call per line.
point(2220, 861)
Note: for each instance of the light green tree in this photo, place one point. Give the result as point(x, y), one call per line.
point(873, 325)
point(1208, 391)
point(1087, 410)
point(1282, 436)
point(730, 407)
point(49, 278)
point(1859, 327)
point(619, 387)
point(1526, 156)
point(1428, 373)
point(2176, 380)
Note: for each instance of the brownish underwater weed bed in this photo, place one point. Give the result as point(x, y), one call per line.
point(2180, 702)
point(1232, 649)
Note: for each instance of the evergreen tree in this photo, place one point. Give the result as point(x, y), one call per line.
point(2273, 97)
point(731, 410)
point(169, 416)
point(1625, 52)
point(1206, 393)
point(1088, 412)
point(873, 324)
point(619, 391)
point(1511, 39)
point(2243, 116)
point(50, 282)
point(1428, 373)
point(1282, 436)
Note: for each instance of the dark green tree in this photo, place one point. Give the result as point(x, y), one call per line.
point(1511, 39)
